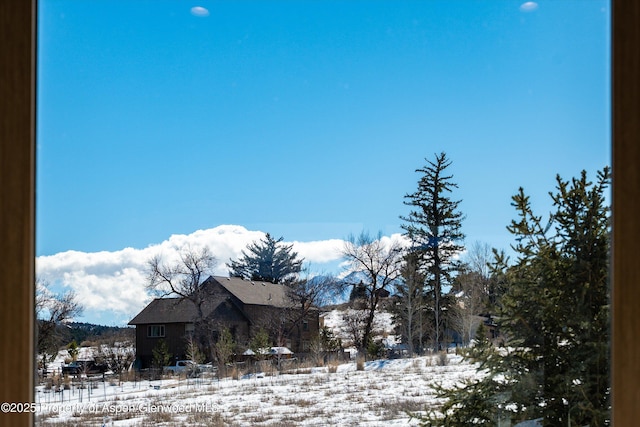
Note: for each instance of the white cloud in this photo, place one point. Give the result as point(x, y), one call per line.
point(529, 6)
point(111, 285)
point(320, 251)
point(199, 11)
point(395, 238)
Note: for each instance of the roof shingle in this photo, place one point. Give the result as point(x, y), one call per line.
point(180, 310)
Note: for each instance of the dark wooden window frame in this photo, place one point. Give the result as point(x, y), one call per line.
point(17, 207)
point(158, 329)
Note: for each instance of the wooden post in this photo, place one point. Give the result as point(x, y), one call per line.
point(17, 130)
point(626, 213)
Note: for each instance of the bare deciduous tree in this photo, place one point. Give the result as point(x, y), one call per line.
point(183, 278)
point(410, 310)
point(192, 350)
point(307, 294)
point(118, 356)
point(379, 263)
point(470, 303)
point(472, 287)
point(52, 310)
point(354, 322)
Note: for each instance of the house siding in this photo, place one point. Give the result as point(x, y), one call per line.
point(224, 308)
point(174, 337)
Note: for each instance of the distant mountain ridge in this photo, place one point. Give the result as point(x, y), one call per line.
point(80, 332)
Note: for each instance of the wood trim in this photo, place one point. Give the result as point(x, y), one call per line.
point(626, 218)
point(17, 101)
point(17, 130)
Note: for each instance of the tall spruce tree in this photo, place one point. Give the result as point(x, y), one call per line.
point(267, 260)
point(555, 315)
point(434, 228)
point(557, 305)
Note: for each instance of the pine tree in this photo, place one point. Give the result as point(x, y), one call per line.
point(555, 315)
point(260, 344)
point(267, 260)
point(73, 350)
point(563, 276)
point(161, 355)
point(480, 400)
point(434, 228)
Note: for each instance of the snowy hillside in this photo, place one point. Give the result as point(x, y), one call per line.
point(379, 395)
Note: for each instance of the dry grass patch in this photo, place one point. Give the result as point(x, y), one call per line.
point(443, 358)
point(303, 403)
point(209, 419)
point(393, 408)
point(160, 417)
point(260, 417)
point(333, 366)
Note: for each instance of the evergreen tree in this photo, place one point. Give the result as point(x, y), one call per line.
point(478, 401)
point(328, 340)
point(260, 344)
point(161, 355)
point(223, 348)
point(434, 228)
point(558, 303)
point(555, 315)
point(267, 260)
point(73, 350)
point(358, 292)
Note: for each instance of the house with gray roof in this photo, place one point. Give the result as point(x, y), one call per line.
point(242, 306)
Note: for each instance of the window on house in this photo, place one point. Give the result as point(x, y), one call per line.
point(155, 331)
point(305, 325)
point(189, 328)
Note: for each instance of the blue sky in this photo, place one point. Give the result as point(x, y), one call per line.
point(307, 119)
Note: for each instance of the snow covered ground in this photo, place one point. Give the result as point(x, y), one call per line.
point(383, 326)
point(379, 395)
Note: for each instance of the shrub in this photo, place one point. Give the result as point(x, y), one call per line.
point(443, 359)
point(375, 349)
